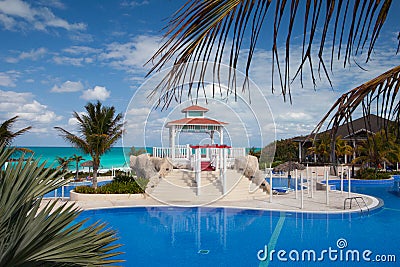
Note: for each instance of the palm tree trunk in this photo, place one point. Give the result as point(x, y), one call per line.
point(94, 179)
point(76, 170)
point(333, 159)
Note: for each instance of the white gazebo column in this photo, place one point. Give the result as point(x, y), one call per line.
point(222, 170)
point(188, 151)
point(221, 135)
point(172, 140)
point(224, 162)
point(197, 169)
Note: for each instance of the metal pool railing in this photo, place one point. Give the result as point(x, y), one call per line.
point(63, 191)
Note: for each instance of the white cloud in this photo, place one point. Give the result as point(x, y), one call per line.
point(52, 3)
point(20, 14)
point(79, 50)
point(130, 56)
point(134, 3)
point(139, 111)
point(68, 87)
point(7, 79)
point(62, 60)
point(7, 21)
point(97, 93)
point(26, 107)
point(34, 54)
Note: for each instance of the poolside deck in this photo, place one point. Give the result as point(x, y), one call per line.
point(179, 192)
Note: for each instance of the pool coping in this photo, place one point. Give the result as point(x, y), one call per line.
point(364, 181)
point(375, 206)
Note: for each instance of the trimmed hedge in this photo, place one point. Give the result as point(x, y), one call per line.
point(120, 185)
point(372, 174)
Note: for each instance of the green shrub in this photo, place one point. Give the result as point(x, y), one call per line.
point(84, 189)
point(124, 178)
point(125, 185)
point(372, 174)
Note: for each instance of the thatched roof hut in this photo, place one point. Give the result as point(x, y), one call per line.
point(289, 166)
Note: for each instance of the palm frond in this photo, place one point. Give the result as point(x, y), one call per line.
point(6, 135)
point(379, 96)
point(48, 236)
point(204, 31)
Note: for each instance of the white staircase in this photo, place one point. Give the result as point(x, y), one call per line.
point(179, 188)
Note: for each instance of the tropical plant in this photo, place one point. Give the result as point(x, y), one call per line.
point(120, 185)
point(6, 135)
point(286, 150)
point(378, 149)
point(63, 162)
point(379, 94)
point(371, 174)
point(342, 148)
point(100, 129)
point(255, 152)
point(76, 158)
point(322, 147)
point(33, 233)
point(134, 151)
point(205, 31)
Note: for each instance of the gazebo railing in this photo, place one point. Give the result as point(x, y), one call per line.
point(181, 151)
point(185, 152)
point(235, 152)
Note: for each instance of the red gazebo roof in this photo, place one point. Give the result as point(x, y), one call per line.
point(196, 121)
point(209, 146)
point(194, 108)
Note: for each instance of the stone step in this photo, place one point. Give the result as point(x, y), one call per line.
point(179, 186)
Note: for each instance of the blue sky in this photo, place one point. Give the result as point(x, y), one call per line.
point(58, 55)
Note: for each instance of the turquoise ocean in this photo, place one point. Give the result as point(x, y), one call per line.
point(114, 158)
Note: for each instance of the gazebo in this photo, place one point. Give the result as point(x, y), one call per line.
point(199, 157)
point(195, 122)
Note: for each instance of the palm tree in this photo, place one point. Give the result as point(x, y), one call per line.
point(36, 234)
point(100, 129)
point(254, 152)
point(342, 149)
point(206, 31)
point(322, 148)
point(63, 162)
point(76, 158)
point(379, 148)
point(134, 151)
point(6, 135)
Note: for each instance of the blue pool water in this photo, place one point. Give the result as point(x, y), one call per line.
point(283, 182)
point(166, 236)
point(58, 193)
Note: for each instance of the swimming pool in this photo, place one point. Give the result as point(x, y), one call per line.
point(64, 190)
point(167, 236)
